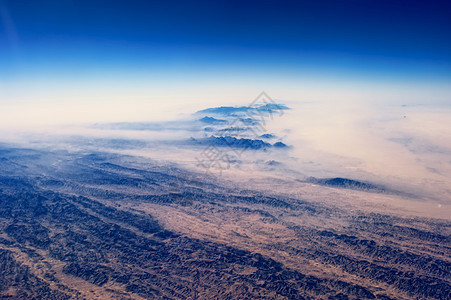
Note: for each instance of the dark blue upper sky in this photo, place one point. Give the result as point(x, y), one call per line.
point(406, 38)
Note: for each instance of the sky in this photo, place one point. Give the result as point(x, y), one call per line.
point(96, 53)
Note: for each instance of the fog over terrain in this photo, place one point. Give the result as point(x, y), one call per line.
point(267, 200)
point(292, 197)
point(403, 145)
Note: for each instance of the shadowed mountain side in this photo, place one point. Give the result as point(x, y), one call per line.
point(347, 184)
point(233, 110)
point(212, 121)
point(233, 142)
point(267, 136)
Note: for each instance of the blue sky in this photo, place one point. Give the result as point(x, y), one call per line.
point(83, 41)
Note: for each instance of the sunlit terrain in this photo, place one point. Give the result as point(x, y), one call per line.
point(209, 208)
